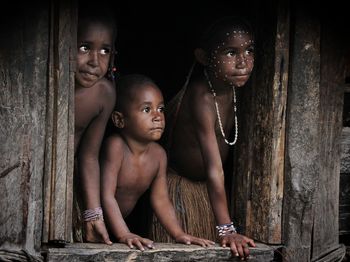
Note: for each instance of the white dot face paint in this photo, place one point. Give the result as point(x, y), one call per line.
point(233, 58)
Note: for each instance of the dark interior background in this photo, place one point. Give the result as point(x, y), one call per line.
point(158, 39)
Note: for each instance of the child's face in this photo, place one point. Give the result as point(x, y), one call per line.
point(144, 119)
point(94, 50)
point(232, 60)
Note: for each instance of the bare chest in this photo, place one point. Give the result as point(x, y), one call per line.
point(136, 177)
point(224, 115)
point(87, 107)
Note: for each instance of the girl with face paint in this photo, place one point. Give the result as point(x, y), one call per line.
point(202, 125)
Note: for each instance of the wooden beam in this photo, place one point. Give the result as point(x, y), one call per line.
point(162, 252)
point(23, 79)
point(59, 156)
point(331, 95)
point(302, 139)
point(260, 162)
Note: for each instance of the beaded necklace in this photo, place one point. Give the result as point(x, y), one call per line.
point(218, 113)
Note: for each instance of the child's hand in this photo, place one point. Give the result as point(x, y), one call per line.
point(96, 232)
point(134, 240)
point(238, 244)
point(188, 239)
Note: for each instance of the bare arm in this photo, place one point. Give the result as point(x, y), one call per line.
point(164, 209)
point(90, 146)
point(160, 201)
point(203, 113)
point(88, 161)
point(112, 157)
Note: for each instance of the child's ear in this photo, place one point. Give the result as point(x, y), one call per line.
point(201, 56)
point(118, 119)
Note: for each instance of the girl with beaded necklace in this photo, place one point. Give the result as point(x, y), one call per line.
point(200, 118)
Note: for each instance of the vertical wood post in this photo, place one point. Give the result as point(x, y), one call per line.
point(59, 151)
point(23, 82)
point(260, 163)
point(302, 147)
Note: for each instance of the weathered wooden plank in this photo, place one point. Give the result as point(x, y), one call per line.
point(23, 78)
point(337, 253)
point(302, 140)
point(264, 139)
point(162, 252)
point(60, 124)
point(333, 60)
point(345, 151)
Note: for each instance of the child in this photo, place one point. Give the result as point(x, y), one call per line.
point(201, 117)
point(94, 101)
point(132, 162)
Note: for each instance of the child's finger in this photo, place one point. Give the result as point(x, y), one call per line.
point(245, 250)
point(223, 242)
point(251, 242)
point(137, 243)
point(108, 242)
point(240, 251)
point(147, 242)
point(198, 241)
point(209, 242)
point(234, 249)
point(106, 239)
point(129, 243)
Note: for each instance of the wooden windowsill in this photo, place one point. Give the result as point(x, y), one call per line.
point(162, 252)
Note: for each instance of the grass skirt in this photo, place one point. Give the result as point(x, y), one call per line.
point(192, 206)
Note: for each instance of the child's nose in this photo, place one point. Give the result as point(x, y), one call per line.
point(241, 61)
point(157, 116)
point(93, 58)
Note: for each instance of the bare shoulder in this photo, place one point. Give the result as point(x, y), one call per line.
point(158, 152)
point(199, 92)
point(106, 87)
point(113, 145)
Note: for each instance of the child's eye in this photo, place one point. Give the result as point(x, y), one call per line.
point(230, 53)
point(105, 51)
point(250, 51)
point(83, 48)
point(161, 109)
point(146, 109)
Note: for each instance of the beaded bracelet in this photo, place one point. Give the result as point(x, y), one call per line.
point(226, 229)
point(93, 214)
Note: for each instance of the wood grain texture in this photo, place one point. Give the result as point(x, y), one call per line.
point(332, 72)
point(260, 162)
point(162, 253)
point(23, 80)
point(60, 125)
point(302, 142)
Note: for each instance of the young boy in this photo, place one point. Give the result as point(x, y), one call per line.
point(200, 118)
point(132, 162)
point(94, 101)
